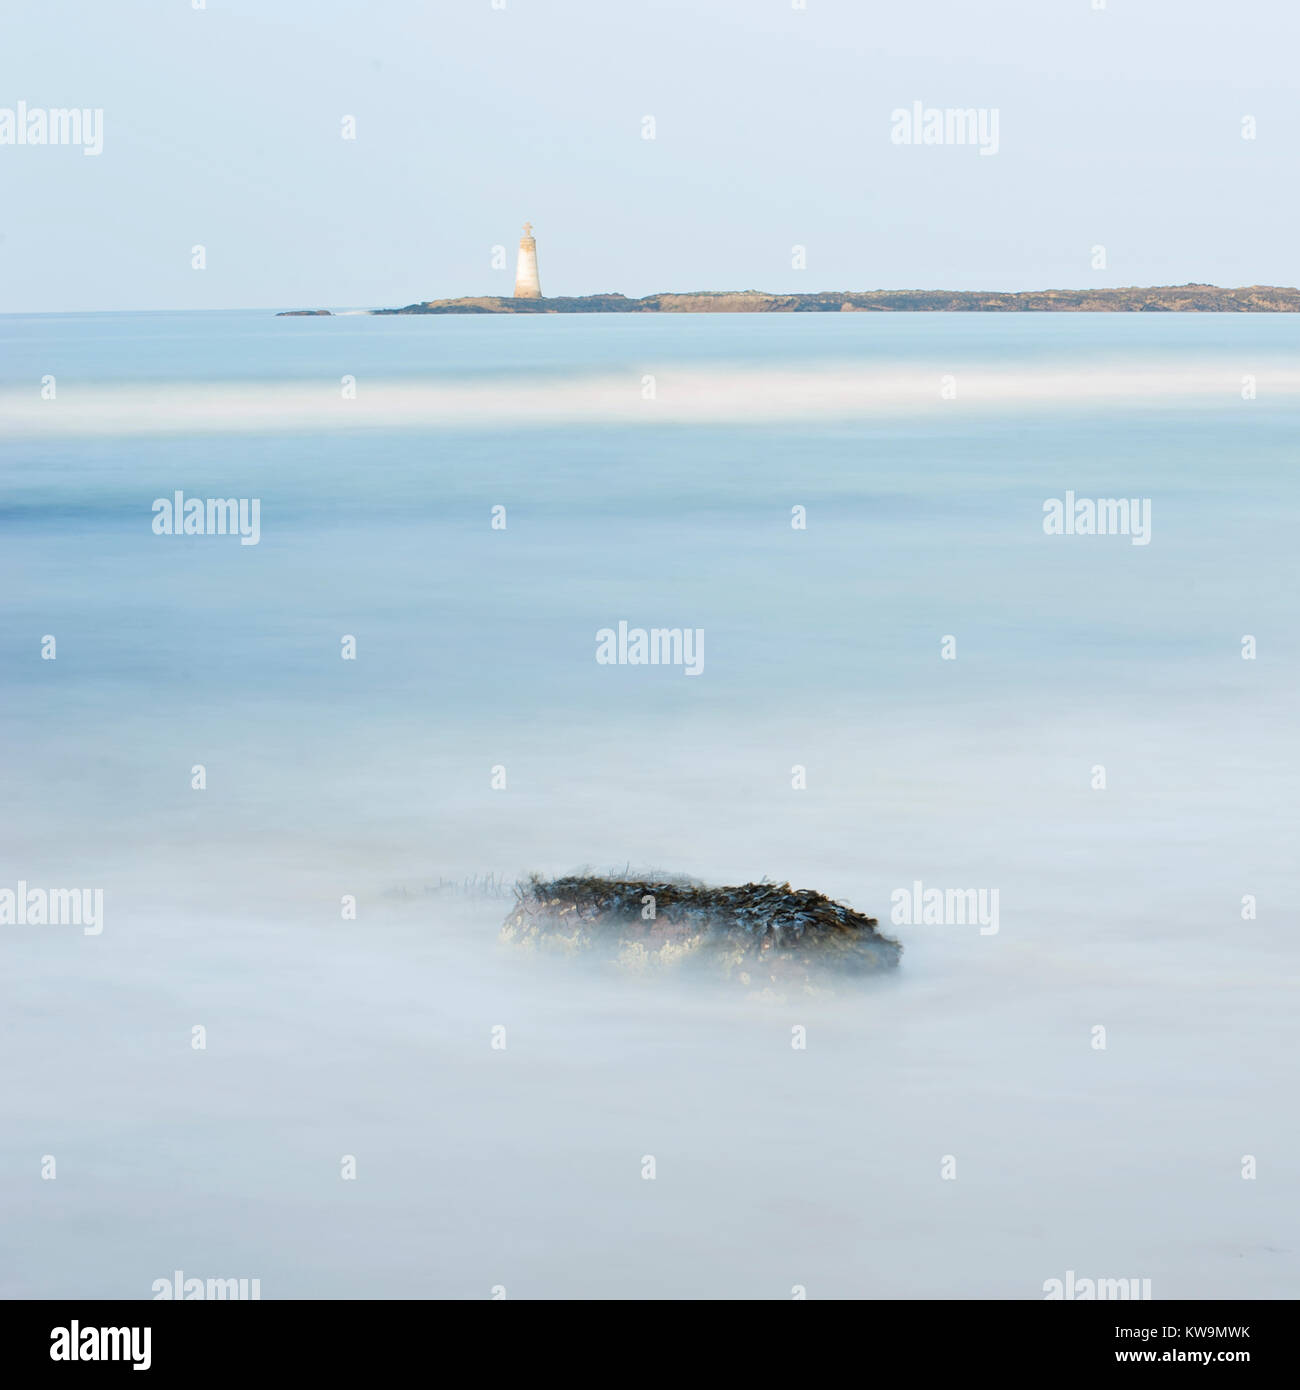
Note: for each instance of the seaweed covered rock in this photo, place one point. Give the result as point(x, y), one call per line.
point(758, 931)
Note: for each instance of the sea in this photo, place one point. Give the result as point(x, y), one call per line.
point(304, 772)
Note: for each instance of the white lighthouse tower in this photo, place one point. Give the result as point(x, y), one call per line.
point(527, 285)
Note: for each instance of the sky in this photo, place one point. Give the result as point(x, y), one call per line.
point(776, 161)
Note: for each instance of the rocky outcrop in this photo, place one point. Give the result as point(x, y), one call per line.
point(756, 933)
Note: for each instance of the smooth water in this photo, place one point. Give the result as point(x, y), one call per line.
point(775, 1166)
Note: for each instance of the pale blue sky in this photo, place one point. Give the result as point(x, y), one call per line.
point(1120, 127)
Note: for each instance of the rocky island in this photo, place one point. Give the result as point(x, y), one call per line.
point(755, 933)
point(1163, 299)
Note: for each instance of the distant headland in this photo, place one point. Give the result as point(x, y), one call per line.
point(1167, 299)
point(1162, 299)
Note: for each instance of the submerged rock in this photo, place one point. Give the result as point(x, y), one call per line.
point(756, 932)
